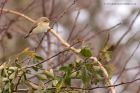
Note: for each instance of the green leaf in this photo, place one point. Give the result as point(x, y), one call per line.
point(74, 74)
point(13, 68)
point(85, 76)
point(49, 74)
point(96, 74)
point(41, 76)
point(12, 76)
point(63, 68)
point(67, 80)
point(8, 88)
point(59, 85)
point(54, 82)
point(39, 57)
point(67, 73)
point(86, 52)
point(35, 68)
point(108, 55)
point(5, 79)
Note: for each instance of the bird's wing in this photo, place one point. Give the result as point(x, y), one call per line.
point(31, 30)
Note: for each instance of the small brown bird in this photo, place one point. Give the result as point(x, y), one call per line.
point(41, 25)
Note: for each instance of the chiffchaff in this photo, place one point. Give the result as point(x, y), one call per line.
point(41, 25)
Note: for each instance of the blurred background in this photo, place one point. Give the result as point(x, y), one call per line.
point(91, 21)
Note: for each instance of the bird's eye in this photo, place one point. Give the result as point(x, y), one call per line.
point(45, 20)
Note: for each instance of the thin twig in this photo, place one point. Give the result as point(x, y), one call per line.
point(74, 25)
point(127, 62)
point(93, 88)
point(125, 87)
point(128, 30)
point(16, 87)
point(2, 6)
point(103, 31)
point(123, 83)
point(99, 87)
point(65, 10)
point(67, 49)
